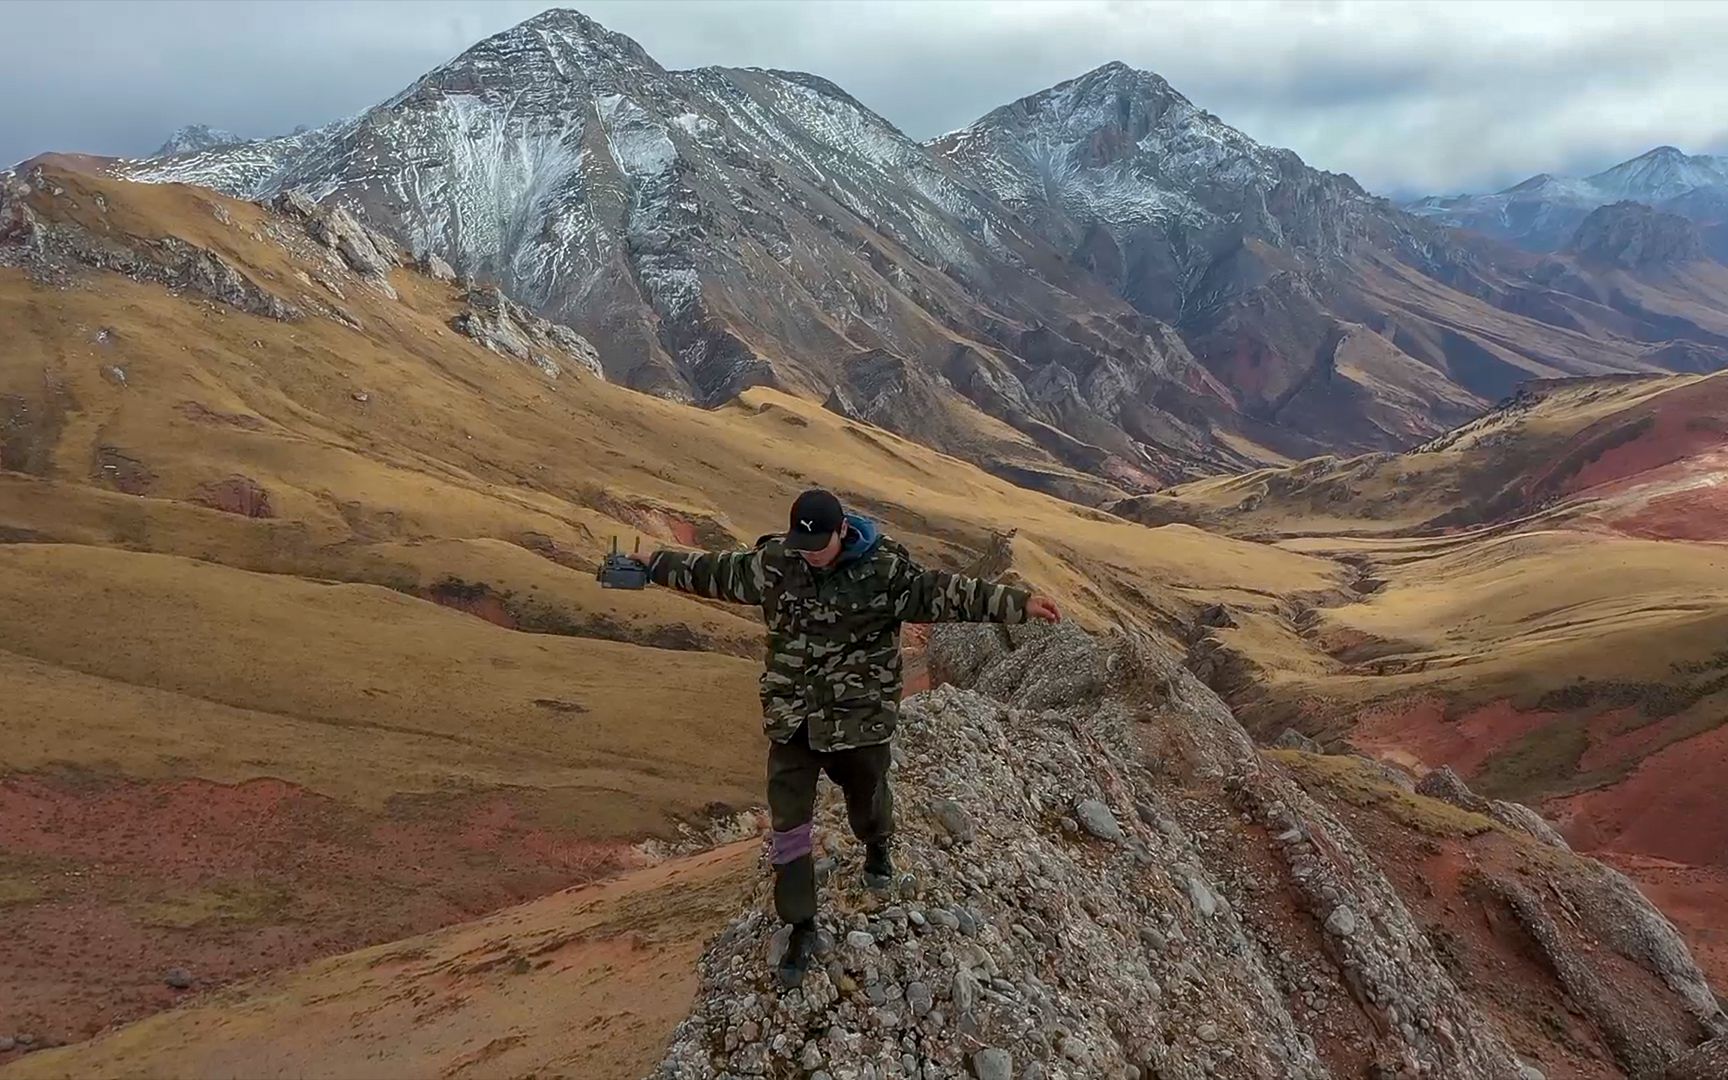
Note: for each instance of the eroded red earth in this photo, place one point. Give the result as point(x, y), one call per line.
point(109, 884)
point(1665, 824)
point(1671, 807)
point(1418, 731)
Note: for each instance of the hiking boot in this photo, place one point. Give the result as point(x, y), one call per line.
point(800, 948)
point(878, 868)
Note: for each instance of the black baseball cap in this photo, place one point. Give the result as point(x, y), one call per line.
point(816, 516)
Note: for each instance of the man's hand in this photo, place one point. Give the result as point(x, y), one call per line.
point(1043, 609)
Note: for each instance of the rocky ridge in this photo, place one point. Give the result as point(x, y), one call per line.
point(1101, 877)
point(45, 231)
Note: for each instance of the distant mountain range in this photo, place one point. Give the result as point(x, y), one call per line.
point(1543, 212)
point(1099, 287)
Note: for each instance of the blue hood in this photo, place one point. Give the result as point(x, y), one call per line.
point(862, 536)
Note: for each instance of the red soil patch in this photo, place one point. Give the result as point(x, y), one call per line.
point(1681, 424)
point(1673, 806)
point(1418, 728)
point(122, 472)
point(115, 882)
point(1692, 513)
point(477, 600)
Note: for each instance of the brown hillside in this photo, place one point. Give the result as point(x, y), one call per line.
point(1542, 603)
point(299, 611)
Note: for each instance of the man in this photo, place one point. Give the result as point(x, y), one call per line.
point(833, 591)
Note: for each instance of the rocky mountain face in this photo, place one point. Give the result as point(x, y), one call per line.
point(1150, 192)
point(1102, 877)
point(717, 229)
point(1323, 308)
point(1541, 213)
point(1100, 280)
point(1634, 236)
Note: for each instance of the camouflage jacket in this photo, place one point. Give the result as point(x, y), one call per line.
point(833, 655)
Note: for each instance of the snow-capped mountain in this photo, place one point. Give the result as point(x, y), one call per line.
point(719, 228)
point(1318, 304)
point(1057, 265)
point(1146, 187)
point(1543, 212)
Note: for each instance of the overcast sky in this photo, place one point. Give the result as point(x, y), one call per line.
point(1409, 98)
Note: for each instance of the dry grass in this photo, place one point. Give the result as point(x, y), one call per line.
point(143, 630)
point(236, 903)
point(16, 893)
point(1339, 501)
point(555, 974)
point(1359, 783)
point(152, 665)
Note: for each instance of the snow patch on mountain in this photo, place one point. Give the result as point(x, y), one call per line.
point(1542, 212)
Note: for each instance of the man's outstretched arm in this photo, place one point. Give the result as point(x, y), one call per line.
point(734, 576)
point(923, 596)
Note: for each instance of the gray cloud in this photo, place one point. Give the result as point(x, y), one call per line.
point(1409, 98)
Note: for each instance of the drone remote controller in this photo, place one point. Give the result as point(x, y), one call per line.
point(621, 571)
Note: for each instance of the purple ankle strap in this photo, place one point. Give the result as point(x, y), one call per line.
point(794, 843)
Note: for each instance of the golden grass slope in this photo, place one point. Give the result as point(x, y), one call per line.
point(587, 983)
point(1535, 454)
point(1543, 594)
point(406, 456)
point(158, 666)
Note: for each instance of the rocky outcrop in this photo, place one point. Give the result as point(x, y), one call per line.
point(1291, 739)
point(1447, 786)
point(429, 263)
point(1634, 236)
point(41, 230)
point(363, 249)
point(20, 231)
point(1100, 877)
point(197, 137)
point(1707, 1062)
point(505, 327)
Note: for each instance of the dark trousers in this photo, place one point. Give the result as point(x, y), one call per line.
point(793, 769)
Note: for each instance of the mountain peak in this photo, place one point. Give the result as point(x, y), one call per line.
point(1117, 75)
point(565, 21)
point(1532, 184)
point(555, 38)
point(1549, 208)
point(1660, 174)
point(1113, 95)
point(195, 137)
